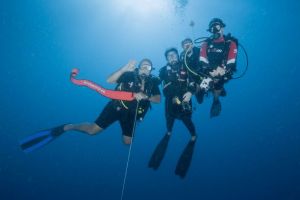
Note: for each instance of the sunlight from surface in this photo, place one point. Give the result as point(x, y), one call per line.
point(143, 8)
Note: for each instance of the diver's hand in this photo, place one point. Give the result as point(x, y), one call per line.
point(219, 71)
point(130, 66)
point(213, 73)
point(175, 100)
point(140, 96)
point(187, 97)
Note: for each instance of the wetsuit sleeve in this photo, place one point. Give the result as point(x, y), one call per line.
point(203, 59)
point(125, 77)
point(155, 89)
point(203, 54)
point(162, 75)
point(231, 59)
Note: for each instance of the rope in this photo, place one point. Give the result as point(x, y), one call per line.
point(129, 152)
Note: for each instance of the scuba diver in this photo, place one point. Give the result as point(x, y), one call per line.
point(190, 58)
point(177, 89)
point(190, 54)
point(218, 61)
point(139, 81)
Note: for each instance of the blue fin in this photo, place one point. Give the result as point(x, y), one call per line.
point(40, 139)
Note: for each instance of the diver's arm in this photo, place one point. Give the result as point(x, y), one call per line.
point(113, 78)
point(231, 60)
point(154, 99)
point(155, 92)
point(203, 58)
point(190, 90)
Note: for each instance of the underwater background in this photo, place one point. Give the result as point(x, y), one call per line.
point(251, 151)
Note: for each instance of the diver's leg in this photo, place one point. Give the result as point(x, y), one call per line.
point(217, 93)
point(127, 140)
point(170, 122)
point(105, 119)
point(219, 89)
point(216, 106)
point(88, 128)
point(127, 123)
point(168, 115)
point(199, 94)
point(187, 120)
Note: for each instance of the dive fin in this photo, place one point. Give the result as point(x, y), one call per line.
point(40, 139)
point(159, 153)
point(185, 159)
point(215, 108)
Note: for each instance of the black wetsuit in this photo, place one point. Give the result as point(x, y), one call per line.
point(175, 84)
point(124, 111)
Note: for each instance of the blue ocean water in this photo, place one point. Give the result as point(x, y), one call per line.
point(252, 151)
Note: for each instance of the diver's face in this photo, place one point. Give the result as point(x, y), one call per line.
point(187, 45)
point(172, 58)
point(217, 29)
point(145, 69)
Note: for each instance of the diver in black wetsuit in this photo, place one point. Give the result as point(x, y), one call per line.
point(177, 89)
point(190, 59)
point(128, 78)
point(190, 54)
point(138, 81)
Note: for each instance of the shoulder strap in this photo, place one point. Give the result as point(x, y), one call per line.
point(208, 41)
point(229, 37)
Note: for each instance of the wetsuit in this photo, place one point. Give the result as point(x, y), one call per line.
point(124, 111)
point(176, 83)
point(221, 52)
